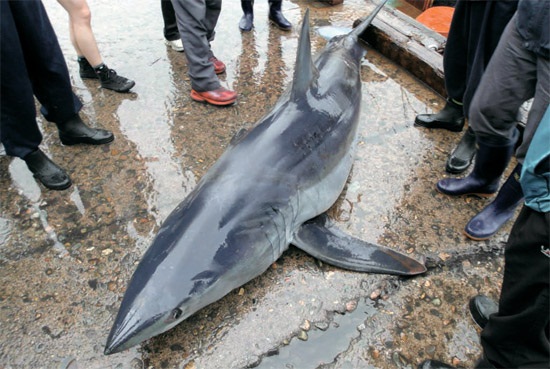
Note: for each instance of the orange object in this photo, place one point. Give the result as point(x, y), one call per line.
point(437, 18)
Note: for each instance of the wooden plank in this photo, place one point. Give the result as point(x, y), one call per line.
point(410, 44)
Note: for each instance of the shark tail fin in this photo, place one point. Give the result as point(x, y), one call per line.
point(305, 70)
point(364, 25)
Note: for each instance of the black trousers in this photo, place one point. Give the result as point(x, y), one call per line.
point(31, 64)
point(171, 32)
point(475, 30)
point(518, 335)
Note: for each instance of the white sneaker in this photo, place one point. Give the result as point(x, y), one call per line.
point(176, 45)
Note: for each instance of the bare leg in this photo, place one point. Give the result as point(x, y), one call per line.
point(80, 28)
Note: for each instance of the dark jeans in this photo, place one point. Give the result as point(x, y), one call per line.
point(475, 30)
point(171, 32)
point(518, 335)
point(31, 64)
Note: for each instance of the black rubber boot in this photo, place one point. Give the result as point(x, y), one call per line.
point(451, 117)
point(489, 220)
point(86, 69)
point(276, 16)
point(110, 80)
point(491, 161)
point(463, 154)
point(46, 171)
point(75, 131)
point(481, 307)
point(247, 21)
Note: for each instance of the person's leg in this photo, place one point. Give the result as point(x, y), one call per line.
point(196, 22)
point(510, 80)
point(194, 33)
point(19, 131)
point(170, 29)
point(26, 27)
point(50, 79)
point(455, 67)
point(84, 42)
point(80, 29)
point(276, 15)
point(487, 22)
point(489, 220)
point(491, 18)
point(517, 336)
point(247, 21)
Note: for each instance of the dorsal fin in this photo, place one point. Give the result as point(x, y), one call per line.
point(363, 25)
point(305, 70)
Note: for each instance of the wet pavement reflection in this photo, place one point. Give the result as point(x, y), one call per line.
point(66, 257)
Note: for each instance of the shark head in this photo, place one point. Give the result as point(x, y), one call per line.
point(160, 295)
point(200, 254)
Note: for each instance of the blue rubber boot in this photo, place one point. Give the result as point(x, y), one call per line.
point(491, 161)
point(489, 220)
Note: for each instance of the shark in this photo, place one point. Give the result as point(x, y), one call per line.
point(270, 189)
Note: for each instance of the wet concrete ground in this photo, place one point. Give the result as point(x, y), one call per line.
point(66, 257)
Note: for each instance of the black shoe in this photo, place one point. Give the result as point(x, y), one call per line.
point(247, 21)
point(86, 69)
point(463, 154)
point(451, 117)
point(75, 131)
point(46, 171)
point(481, 307)
point(112, 81)
point(276, 16)
point(434, 364)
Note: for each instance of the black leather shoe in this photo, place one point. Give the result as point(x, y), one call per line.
point(434, 364)
point(463, 154)
point(481, 307)
point(451, 117)
point(75, 131)
point(46, 171)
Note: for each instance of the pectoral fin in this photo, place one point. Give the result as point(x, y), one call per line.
point(321, 239)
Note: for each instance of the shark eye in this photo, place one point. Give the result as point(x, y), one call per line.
point(176, 313)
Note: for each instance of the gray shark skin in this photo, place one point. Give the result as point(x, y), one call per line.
point(265, 192)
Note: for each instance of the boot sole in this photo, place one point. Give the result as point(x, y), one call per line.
point(476, 238)
point(198, 98)
point(54, 188)
point(125, 89)
point(85, 140)
point(279, 27)
point(438, 126)
point(481, 195)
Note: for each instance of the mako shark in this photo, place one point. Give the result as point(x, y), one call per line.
point(268, 190)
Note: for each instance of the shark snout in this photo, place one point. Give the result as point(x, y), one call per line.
point(130, 330)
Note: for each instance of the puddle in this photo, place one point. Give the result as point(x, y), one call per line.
point(325, 341)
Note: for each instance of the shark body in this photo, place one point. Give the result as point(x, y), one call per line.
point(268, 190)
